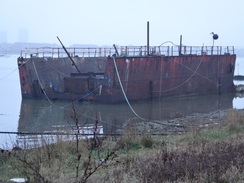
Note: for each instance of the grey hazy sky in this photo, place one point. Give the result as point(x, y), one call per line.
point(108, 22)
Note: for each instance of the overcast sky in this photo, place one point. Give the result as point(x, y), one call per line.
point(108, 22)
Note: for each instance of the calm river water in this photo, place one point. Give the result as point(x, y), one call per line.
point(38, 116)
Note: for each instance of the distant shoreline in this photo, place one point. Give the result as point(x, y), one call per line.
point(15, 48)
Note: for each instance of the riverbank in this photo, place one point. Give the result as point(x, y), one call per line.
point(180, 125)
point(197, 148)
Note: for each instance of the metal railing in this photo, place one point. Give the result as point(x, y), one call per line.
point(128, 51)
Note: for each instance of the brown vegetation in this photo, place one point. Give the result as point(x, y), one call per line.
point(213, 154)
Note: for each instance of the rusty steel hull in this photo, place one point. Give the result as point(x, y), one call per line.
point(142, 77)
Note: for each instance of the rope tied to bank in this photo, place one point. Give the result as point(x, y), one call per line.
point(123, 91)
point(2, 78)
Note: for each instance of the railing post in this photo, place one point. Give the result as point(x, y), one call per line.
point(121, 50)
point(99, 52)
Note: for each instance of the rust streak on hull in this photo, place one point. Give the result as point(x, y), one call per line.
point(142, 76)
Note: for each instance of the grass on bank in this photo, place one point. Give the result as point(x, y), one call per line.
point(203, 155)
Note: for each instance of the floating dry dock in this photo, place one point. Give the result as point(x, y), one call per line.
point(110, 75)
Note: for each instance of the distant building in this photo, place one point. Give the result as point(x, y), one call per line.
point(3, 37)
point(23, 35)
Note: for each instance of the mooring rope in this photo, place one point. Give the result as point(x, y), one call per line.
point(122, 88)
point(49, 100)
point(13, 71)
point(8, 74)
point(53, 104)
point(200, 75)
point(64, 107)
point(58, 133)
point(195, 72)
point(39, 81)
point(80, 134)
point(82, 97)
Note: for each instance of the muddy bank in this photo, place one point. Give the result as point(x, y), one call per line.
point(184, 124)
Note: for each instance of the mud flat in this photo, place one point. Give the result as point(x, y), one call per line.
point(184, 124)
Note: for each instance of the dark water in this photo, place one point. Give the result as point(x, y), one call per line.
point(40, 116)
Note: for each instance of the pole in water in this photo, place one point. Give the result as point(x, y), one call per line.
point(148, 38)
point(180, 44)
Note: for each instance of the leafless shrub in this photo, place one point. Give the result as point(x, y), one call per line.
point(32, 164)
point(147, 141)
point(215, 161)
point(130, 140)
point(201, 156)
point(65, 160)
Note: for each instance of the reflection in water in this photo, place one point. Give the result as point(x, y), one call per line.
point(38, 116)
